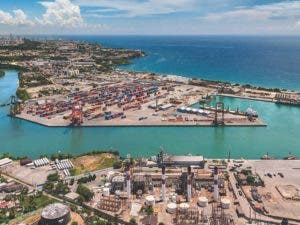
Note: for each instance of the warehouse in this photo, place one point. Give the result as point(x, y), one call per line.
point(5, 162)
point(184, 161)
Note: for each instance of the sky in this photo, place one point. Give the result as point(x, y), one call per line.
point(150, 17)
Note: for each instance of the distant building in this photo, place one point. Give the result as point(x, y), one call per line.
point(11, 187)
point(184, 161)
point(5, 162)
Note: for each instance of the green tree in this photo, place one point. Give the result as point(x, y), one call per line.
point(71, 182)
point(61, 188)
point(250, 179)
point(48, 186)
point(149, 210)
point(53, 177)
point(132, 222)
point(117, 165)
point(85, 192)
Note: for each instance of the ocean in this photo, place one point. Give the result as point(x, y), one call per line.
point(261, 61)
point(271, 61)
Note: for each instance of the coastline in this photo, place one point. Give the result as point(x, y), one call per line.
point(259, 124)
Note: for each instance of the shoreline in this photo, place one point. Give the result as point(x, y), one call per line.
point(193, 78)
point(261, 124)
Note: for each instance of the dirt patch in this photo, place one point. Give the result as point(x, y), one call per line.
point(88, 163)
point(31, 220)
point(76, 218)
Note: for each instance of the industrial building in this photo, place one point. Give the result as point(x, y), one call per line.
point(184, 161)
point(5, 162)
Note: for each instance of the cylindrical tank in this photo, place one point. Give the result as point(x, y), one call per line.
point(118, 179)
point(225, 203)
point(184, 206)
point(174, 197)
point(171, 207)
point(54, 214)
point(150, 200)
point(106, 191)
point(202, 201)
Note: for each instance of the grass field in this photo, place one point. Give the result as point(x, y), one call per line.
point(88, 163)
point(34, 216)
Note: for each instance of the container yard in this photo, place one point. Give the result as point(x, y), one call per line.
point(138, 102)
point(86, 89)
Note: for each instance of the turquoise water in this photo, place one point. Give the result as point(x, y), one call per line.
point(263, 61)
point(278, 138)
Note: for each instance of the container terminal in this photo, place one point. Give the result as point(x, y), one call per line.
point(69, 83)
point(139, 102)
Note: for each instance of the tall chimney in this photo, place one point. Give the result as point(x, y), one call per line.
point(128, 182)
point(163, 182)
point(216, 186)
point(189, 184)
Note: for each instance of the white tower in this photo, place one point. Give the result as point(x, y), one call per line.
point(189, 184)
point(216, 186)
point(163, 183)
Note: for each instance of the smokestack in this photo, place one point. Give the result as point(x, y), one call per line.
point(216, 186)
point(163, 182)
point(128, 183)
point(189, 184)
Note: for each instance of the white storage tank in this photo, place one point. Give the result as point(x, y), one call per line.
point(225, 203)
point(150, 200)
point(173, 197)
point(184, 206)
point(202, 201)
point(106, 191)
point(171, 207)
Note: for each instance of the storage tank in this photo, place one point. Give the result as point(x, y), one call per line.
point(171, 207)
point(202, 201)
point(174, 197)
point(118, 179)
point(184, 206)
point(54, 214)
point(150, 200)
point(106, 191)
point(225, 203)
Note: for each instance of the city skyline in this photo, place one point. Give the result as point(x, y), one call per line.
point(176, 17)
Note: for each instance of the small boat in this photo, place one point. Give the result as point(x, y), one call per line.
point(290, 157)
point(266, 157)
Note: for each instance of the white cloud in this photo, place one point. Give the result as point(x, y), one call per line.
point(61, 13)
point(133, 8)
point(17, 17)
point(60, 16)
point(284, 11)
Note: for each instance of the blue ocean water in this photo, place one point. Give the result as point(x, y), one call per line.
point(260, 61)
